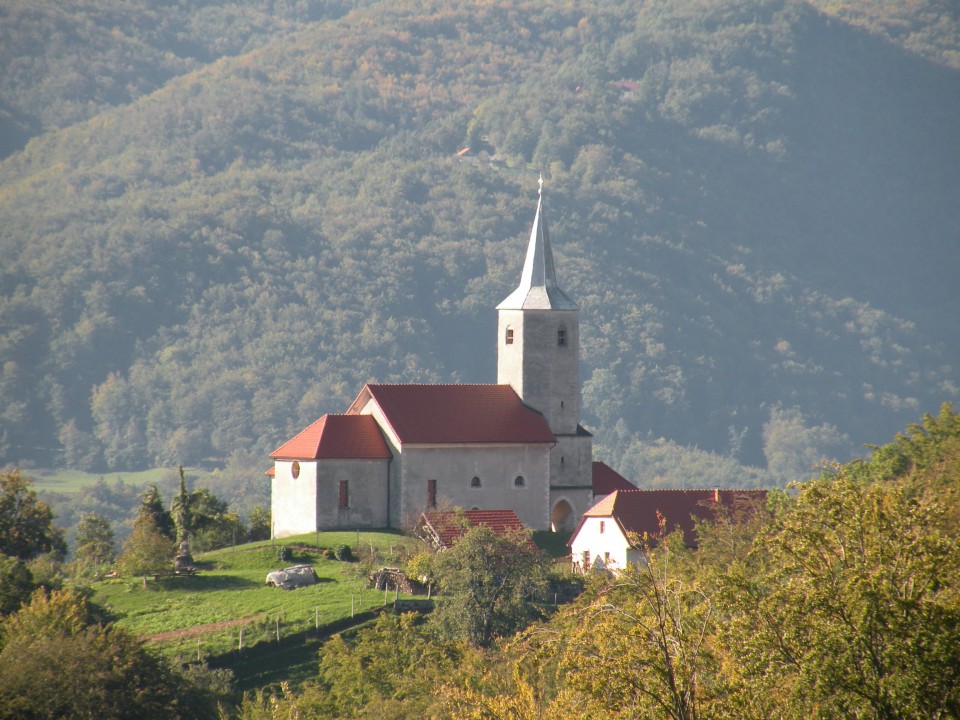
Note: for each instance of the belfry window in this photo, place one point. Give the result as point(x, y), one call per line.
point(431, 493)
point(562, 337)
point(508, 339)
point(344, 496)
point(475, 482)
point(518, 481)
point(295, 469)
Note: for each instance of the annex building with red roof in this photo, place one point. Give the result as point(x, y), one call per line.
point(442, 528)
point(400, 450)
point(611, 534)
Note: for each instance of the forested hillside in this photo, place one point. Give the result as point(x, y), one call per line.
point(217, 221)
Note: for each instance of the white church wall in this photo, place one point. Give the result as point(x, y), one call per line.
point(362, 502)
point(293, 500)
point(497, 467)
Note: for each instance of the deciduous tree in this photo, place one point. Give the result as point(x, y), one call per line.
point(854, 613)
point(489, 582)
point(95, 541)
point(26, 522)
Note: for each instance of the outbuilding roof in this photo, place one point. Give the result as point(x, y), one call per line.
point(606, 480)
point(445, 527)
point(639, 511)
point(337, 437)
point(456, 414)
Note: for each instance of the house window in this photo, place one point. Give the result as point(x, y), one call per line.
point(562, 336)
point(431, 493)
point(475, 482)
point(603, 526)
point(295, 469)
point(344, 498)
point(606, 558)
point(509, 337)
point(586, 559)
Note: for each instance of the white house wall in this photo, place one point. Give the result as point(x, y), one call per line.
point(602, 538)
point(293, 502)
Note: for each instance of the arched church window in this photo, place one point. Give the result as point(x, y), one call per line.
point(518, 481)
point(295, 469)
point(508, 339)
point(475, 482)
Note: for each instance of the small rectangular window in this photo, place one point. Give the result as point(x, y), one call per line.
point(509, 337)
point(603, 526)
point(431, 493)
point(344, 499)
point(561, 337)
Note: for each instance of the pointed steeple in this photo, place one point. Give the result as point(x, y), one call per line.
point(538, 288)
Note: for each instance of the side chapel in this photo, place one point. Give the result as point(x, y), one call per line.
point(401, 450)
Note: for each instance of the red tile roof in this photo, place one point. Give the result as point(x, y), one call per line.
point(448, 526)
point(636, 510)
point(337, 436)
point(456, 414)
point(271, 472)
point(606, 480)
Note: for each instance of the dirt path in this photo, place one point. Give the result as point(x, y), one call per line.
point(201, 629)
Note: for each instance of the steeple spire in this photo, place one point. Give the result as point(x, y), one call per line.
point(538, 288)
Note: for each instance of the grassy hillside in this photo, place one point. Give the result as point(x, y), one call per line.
point(753, 201)
point(206, 612)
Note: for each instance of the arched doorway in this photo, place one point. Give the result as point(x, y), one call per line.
point(561, 519)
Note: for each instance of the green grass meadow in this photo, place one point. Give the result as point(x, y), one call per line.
point(230, 590)
point(71, 481)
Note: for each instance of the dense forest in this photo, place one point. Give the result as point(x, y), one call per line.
point(218, 220)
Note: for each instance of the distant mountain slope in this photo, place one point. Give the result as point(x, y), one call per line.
point(753, 202)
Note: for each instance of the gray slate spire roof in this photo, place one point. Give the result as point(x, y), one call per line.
point(538, 288)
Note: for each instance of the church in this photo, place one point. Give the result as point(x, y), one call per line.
point(400, 450)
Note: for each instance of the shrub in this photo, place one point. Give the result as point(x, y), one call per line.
point(343, 553)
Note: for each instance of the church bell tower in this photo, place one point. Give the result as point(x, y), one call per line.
point(538, 346)
point(538, 354)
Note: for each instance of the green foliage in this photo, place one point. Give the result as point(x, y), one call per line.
point(180, 511)
point(56, 661)
point(155, 514)
point(842, 601)
point(26, 522)
point(16, 584)
point(856, 611)
point(147, 550)
point(343, 553)
point(258, 524)
point(95, 543)
point(489, 582)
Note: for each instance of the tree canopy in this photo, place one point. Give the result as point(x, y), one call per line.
point(26, 522)
point(842, 600)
